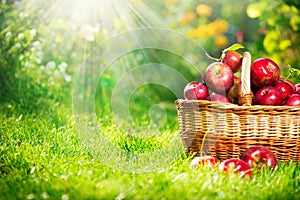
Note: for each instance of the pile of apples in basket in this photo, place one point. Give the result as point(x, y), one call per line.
point(220, 82)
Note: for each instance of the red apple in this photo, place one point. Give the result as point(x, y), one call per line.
point(236, 166)
point(291, 84)
point(218, 98)
point(293, 100)
point(258, 157)
point(196, 90)
point(236, 80)
point(234, 93)
point(284, 89)
point(264, 72)
point(233, 59)
point(297, 86)
point(204, 160)
point(218, 77)
point(268, 95)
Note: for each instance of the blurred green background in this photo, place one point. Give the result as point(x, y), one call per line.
point(42, 43)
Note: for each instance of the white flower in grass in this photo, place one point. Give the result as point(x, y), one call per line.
point(56, 74)
point(32, 32)
point(38, 60)
point(64, 197)
point(40, 54)
point(31, 196)
point(63, 67)
point(44, 195)
point(18, 45)
point(42, 67)
point(50, 65)
point(68, 78)
point(21, 36)
point(37, 44)
point(8, 34)
point(27, 64)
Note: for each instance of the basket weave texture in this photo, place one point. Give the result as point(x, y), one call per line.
point(226, 130)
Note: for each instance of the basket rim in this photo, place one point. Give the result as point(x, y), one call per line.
point(225, 105)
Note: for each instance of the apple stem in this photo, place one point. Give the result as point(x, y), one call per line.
point(212, 58)
point(288, 76)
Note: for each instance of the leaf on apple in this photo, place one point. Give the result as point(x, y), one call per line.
point(293, 72)
point(234, 47)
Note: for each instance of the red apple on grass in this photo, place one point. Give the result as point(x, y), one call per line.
point(264, 71)
point(218, 77)
point(218, 98)
point(285, 89)
point(235, 166)
point(204, 160)
point(196, 90)
point(268, 95)
point(258, 157)
point(293, 100)
point(233, 59)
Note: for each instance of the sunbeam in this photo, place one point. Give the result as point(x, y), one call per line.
point(108, 13)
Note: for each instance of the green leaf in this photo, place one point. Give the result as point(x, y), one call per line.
point(234, 47)
point(293, 71)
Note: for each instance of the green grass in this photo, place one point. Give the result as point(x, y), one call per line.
point(41, 157)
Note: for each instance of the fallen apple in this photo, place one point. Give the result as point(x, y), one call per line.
point(235, 166)
point(204, 160)
point(258, 157)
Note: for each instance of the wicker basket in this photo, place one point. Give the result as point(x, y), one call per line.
point(227, 130)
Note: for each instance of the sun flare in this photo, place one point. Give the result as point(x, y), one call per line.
point(109, 14)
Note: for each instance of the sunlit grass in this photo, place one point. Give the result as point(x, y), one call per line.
point(43, 157)
point(41, 160)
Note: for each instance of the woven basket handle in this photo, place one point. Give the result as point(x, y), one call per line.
point(245, 98)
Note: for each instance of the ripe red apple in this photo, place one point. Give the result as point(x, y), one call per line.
point(236, 80)
point(233, 59)
point(291, 84)
point(284, 89)
point(218, 98)
point(204, 160)
point(218, 77)
point(196, 90)
point(234, 93)
point(293, 100)
point(264, 71)
point(297, 86)
point(268, 95)
point(234, 165)
point(258, 157)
